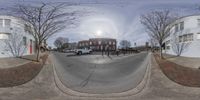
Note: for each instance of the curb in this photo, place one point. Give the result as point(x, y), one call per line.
point(130, 92)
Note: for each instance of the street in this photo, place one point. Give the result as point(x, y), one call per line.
point(100, 74)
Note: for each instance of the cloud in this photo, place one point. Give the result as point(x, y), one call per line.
point(121, 18)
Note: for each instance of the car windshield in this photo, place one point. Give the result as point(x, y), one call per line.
point(99, 49)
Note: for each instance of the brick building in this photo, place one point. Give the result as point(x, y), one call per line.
point(98, 44)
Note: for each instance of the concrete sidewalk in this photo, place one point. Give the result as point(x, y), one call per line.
point(162, 88)
point(184, 61)
point(11, 62)
point(178, 73)
point(18, 75)
point(43, 88)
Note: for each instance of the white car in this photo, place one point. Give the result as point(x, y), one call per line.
point(83, 51)
point(66, 50)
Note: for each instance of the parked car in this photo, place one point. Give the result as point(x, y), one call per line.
point(83, 51)
point(66, 50)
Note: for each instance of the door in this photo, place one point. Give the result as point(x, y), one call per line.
point(31, 47)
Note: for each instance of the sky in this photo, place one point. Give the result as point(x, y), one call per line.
point(118, 19)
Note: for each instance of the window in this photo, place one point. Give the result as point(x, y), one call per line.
point(186, 37)
point(180, 38)
point(94, 42)
point(109, 42)
point(106, 42)
point(181, 25)
point(24, 40)
point(4, 36)
point(90, 43)
point(31, 41)
point(198, 36)
point(1, 22)
point(167, 42)
point(190, 37)
point(167, 47)
point(113, 43)
point(198, 22)
point(176, 27)
point(99, 42)
point(7, 22)
point(27, 28)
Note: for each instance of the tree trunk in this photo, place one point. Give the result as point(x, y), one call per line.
point(108, 52)
point(161, 55)
point(38, 54)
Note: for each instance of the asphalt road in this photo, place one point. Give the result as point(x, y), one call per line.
point(98, 74)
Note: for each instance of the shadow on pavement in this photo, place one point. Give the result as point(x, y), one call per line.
point(72, 55)
point(30, 59)
point(166, 56)
point(110, 57)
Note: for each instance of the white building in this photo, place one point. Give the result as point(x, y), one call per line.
point(11, 26)
point(185, 37)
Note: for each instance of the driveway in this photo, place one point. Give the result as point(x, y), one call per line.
point(100, 74)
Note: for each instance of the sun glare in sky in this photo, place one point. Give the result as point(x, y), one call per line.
point(99, 27)
point(99, 33)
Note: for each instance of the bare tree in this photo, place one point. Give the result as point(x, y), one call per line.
point(15, 45)
point(44, 20)
point(61, 42)
point(58, 44)
point(158, 25)
point(178, 46)
point(153, 44)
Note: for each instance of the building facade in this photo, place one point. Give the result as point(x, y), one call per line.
point(184, 39)
point(72, 46)
point(15, 32)
point(99, 44)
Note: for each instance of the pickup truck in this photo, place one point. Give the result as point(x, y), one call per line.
point(83, 51)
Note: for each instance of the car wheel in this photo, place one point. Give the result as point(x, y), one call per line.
point(80, 53)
